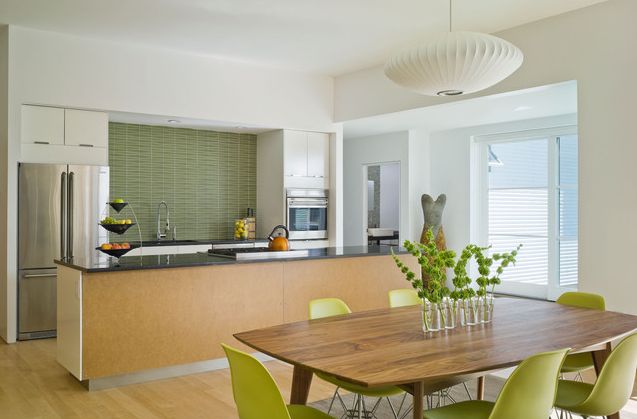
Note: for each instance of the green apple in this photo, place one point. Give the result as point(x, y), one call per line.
point(118, 201)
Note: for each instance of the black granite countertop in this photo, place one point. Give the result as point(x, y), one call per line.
point(103, 263)
point(155, 243)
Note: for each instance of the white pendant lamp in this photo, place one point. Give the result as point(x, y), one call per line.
point(455, 63)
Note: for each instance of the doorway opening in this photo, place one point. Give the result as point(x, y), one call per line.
point(382, 203)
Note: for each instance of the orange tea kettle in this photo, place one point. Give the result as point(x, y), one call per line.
point(279, 243)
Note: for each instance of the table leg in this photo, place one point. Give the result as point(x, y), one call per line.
point(599, 358)
point(419, 395)
point(301, 381)
point(480, 391)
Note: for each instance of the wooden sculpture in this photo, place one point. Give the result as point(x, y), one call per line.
point(432, 211)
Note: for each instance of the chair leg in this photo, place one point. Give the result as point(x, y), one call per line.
point(373, 411)
point(402, 403)
point(343, 405)
point(467, 390)
point(391, 406)
point(329, 409)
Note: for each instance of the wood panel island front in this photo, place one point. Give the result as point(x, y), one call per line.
point(149, 317)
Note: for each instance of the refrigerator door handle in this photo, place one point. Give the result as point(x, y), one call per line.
point(39, 275)
point(63, 216)
point(69, 209)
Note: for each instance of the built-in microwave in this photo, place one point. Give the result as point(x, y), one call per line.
point(307, 213)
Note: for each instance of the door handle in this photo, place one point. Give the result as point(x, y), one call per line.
point(85, 145)
point(39, 275)
point(41, 142)
point(63, 216)
point(69, 209)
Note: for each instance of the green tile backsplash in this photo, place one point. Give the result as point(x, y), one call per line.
point(208, 178)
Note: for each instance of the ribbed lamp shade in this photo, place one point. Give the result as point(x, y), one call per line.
point(455, 63)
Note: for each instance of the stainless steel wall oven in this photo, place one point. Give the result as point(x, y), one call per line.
point(307, 213)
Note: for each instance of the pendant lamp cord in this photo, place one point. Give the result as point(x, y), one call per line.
point(450, 27)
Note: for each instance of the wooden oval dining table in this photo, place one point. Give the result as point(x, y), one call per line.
point(388, 346)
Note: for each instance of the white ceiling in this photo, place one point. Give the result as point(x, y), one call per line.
point(329, 37)
point(537, 102)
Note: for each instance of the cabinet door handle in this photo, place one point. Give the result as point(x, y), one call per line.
point(85, 145)
point(41, 142)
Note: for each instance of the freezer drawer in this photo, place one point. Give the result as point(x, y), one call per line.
point(36, 303)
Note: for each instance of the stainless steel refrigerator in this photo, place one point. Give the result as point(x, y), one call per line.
point(59, 207)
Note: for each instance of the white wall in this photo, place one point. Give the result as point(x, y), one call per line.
point(390, 196)
point(593, 46)
point(336, 198)
point(104, 75)
point(53, 69)
point(6, 306)
point(410, 149)
point(358, 152)
point(420, 158)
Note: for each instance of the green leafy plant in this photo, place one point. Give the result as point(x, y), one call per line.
point(434, 263)
point(486, 263)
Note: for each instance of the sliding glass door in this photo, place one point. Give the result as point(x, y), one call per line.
point(529, 196)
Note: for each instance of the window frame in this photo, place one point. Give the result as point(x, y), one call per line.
point(480, 199)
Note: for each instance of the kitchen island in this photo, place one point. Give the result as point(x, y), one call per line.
point(148, 317)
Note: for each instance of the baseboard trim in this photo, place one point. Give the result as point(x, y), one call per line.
point(103, 383)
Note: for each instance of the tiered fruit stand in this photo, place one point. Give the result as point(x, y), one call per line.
point(119, 229)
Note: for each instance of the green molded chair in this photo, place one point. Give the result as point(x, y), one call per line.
point(256, 393)
point(529, 393)
point(582, 361)
point(612, 389)
point(404, 297)
point(328, 307)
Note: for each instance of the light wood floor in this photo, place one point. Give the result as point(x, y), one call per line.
point(33, 385)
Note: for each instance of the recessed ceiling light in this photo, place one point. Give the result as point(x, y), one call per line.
point(522, 108)
point(174, 121)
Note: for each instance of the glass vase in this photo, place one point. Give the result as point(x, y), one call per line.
point(449, 313)
point(480, 310)
point(431, 319)
point(471, 311)
point(487, 308)
point(460, 317)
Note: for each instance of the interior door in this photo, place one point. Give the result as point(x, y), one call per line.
point(87, 198)
point(40, 208)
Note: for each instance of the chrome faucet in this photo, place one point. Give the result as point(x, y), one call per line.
point(161, 235)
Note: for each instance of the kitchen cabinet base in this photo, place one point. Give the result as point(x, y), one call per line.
point(127, 323)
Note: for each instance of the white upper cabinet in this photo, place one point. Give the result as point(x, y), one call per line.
point(65, 136)
point(42, 125)
point(306, 154)
point(70, 127)
point(85, 128)
point(295, 153)
point(318, 154)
